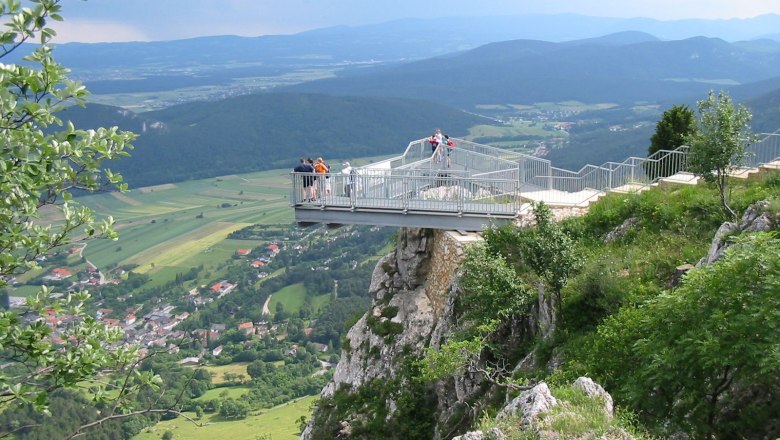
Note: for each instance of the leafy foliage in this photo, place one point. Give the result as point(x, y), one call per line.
point(690, 350)
point(41, 166)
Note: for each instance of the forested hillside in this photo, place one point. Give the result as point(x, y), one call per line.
point(267, 131)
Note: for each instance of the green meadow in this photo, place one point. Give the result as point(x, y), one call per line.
point(168, 229)
point(277, 423)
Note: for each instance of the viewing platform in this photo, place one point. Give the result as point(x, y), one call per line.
point(473, 186)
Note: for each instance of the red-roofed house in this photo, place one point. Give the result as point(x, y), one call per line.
point(273, 248)
point(109, 322)
point(243, 252)
point(222, 288)
point(257, 263)
point(247, 327)
point(61, 273)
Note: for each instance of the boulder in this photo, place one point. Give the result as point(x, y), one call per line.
point(530, 404)
point(594, 390)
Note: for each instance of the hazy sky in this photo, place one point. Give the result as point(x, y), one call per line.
point(147, 20)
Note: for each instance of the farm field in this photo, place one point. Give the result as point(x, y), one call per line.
point(218, 371)
point(277, 423)
point(168, 229)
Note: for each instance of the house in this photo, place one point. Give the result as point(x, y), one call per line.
point(190, 361)
point(243, 252)
point(273, 249)
point(60, 273)
point(218, 327)
point(248, 328)
point(111, 323)
point(222, 288)
point(257, 263)
point(217, 350)
point(130, 319)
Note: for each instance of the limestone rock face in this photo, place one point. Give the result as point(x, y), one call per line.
point(398, 282)
point(592, 389)
point(755, 219)
point(414, 292)
point(622, 230)
point(530, 404)
point(493, 434)
point(411, 290)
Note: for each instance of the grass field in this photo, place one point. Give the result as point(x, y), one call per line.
point(291, 298)
point(218, 371)
point(216, 393)
point(280, 423)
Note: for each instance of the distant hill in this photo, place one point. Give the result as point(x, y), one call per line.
point(528, 71)
point(152, 66)
point(766, 111)
point(267, 131)
point(401, 39)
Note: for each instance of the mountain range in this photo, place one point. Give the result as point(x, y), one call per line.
point(375, 109)
point(610, 69)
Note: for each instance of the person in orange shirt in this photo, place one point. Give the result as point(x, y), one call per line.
point(321, 169)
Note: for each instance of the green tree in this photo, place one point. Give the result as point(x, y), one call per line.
point(234, 409)
point(720, 142)
point(673, 130)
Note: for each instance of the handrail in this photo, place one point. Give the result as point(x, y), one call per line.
point(483, 179)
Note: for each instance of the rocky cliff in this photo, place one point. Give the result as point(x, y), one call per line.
point(414, 290)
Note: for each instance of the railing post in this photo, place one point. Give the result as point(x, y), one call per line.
point(405, 195)
point(294, 193)
point(460, 195)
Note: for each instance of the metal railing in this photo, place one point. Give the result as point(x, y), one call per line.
point(475, 178)
point(404, 190)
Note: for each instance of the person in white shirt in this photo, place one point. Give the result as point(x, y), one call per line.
point(349, 179)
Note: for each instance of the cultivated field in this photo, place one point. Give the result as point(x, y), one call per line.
point(168, 229)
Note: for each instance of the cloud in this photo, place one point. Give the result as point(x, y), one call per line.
point(88, 31)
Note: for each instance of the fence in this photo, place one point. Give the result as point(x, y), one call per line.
point(475, 178)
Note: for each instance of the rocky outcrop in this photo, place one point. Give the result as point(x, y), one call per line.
point(493, 434)
point(616, 234)
point(594, 390)
point(755, 219)
point(411, 290)
point(529, 404)
point(414, 292)
point(532, 411)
